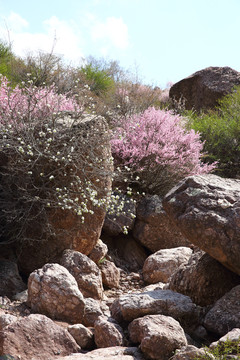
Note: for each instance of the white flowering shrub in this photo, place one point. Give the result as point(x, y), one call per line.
point(52, 165)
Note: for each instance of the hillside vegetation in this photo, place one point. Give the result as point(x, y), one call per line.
point(153, 147)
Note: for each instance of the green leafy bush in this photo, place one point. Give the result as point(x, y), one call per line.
point(5, 58)
point(220, 130)
point(99, 80)
point(9, 63)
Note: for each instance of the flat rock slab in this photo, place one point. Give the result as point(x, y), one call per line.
point(164, 302)
point(111, 353)
point(206, 208)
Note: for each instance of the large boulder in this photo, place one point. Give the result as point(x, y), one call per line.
point(153, 228)
point(86, 273)
point(11, 282)
point(206, 208)
point(160, 266)
point(162, 302)
point(159, 336)
point(62, 228)
point(204, 88)
point(225, 314)
point(36, 337)
point(54, 292)
point(203, 279)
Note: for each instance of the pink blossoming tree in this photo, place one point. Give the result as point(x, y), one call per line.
point(157, 150)
point(30, 103)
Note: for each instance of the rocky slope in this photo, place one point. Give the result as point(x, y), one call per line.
point(162, 305)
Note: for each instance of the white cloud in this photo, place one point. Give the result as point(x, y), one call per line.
point(61, 36)
point(114, 32)
point(16, 22)
point(67, 38)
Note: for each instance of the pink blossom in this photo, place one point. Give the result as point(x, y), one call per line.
point(31, 103)
point(155, 139)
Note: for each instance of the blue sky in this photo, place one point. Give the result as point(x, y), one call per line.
point(162, 40)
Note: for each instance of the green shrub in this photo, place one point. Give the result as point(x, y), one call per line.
point(9, 63)
point(99, 80)
point(220, 130)
point(223, 351)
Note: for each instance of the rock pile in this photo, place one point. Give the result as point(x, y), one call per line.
point(87, 307)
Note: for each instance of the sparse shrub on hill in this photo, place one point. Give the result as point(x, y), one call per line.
point(157, 150)
point(46, 69)
point(117, 92)
point(98, 80)
point(46, 162)
point(5, 58)
point(133, 98)
point(9, 63)
point(220, 131)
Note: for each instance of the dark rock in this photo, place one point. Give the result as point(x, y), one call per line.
point(204, 88)
point(153, 228)
point(10, 281)
point(225, 314)
point(125, 249)
point(203, 279)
